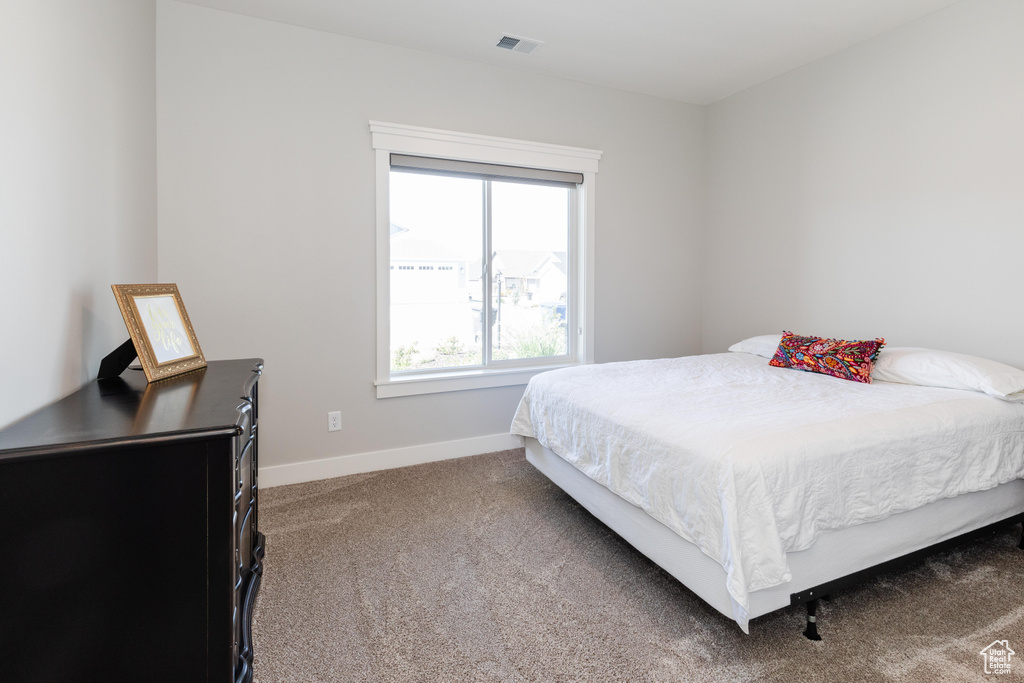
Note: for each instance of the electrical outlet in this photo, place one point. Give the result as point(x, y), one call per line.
point(334, 421)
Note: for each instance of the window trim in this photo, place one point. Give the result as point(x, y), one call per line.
point(388, 138)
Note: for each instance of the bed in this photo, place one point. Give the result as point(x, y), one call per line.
point(760, 487)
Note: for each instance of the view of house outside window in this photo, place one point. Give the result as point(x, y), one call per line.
point(440, 292)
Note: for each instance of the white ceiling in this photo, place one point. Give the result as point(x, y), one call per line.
point(696, 51)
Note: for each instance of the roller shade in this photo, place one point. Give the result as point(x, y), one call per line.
point(405, 162)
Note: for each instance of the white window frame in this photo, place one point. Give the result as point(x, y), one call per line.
point(395, 138)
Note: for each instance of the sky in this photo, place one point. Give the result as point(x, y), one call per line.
point(449, 211)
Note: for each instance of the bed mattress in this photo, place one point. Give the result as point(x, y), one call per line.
point(750, 462)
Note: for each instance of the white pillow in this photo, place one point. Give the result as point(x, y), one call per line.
point(930, 368)
point(766, 345)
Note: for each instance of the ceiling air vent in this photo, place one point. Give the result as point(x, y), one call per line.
point(523, 45)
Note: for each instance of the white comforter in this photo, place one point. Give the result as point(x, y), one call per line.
point(750, 462)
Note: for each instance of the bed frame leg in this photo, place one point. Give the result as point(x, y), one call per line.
point(812, 621)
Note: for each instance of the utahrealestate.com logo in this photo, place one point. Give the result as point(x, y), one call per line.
point(997, 657)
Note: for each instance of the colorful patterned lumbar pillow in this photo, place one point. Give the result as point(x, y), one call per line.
point(843, 359)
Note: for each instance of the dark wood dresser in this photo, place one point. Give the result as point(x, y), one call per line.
point(129, 539)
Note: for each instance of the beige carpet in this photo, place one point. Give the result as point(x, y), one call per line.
point(480, 569)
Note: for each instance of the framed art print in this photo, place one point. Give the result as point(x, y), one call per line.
point(160, 329)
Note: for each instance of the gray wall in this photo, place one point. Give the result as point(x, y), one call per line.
point(77, 187)
point(877, 192)
point(266, 213)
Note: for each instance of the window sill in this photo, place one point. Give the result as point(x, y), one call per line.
point(440, 382)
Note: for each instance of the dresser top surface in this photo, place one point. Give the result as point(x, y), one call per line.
point(127, 409)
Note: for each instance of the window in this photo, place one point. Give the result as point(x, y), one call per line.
point(483, 259)
point(509, 233)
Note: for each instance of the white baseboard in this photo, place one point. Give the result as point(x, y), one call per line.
point(327, 468)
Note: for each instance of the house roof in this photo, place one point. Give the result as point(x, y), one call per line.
point(411, 249)
point(560, 262)
point(522, 263)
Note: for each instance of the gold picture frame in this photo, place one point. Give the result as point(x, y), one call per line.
point(160, 329)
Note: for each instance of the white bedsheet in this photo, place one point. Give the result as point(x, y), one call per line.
point(749, 462)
